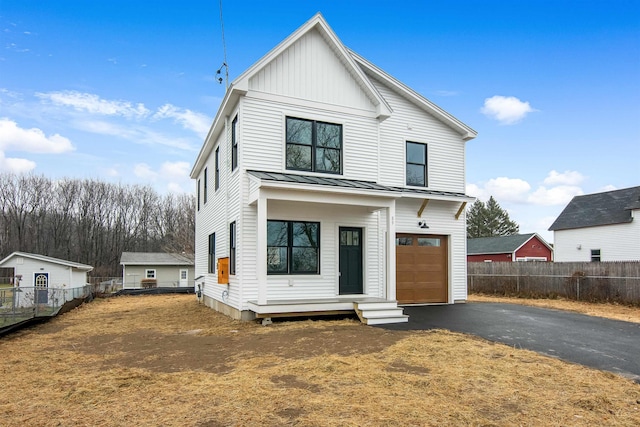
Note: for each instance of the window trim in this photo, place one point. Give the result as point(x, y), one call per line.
point(234, 143)
point(198, 195)
point(217, 169)
point(425, 165)
point(212, 253)
point(314, 145)
point(147, 271)
point(290, 247)
point(232, 247)
point(205, 187)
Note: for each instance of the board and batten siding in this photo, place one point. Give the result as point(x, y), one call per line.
point(324, 285)
point(445, 148)
point(310, 70)
point(264, 134)
point(617, 242)
point(440, 217)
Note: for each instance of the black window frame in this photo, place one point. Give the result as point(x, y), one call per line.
point(198, 194)
point(290, 270)
point(212, 253)
point(232, 247)
point(205, 187)
point(424, 165)
point(234, 143)
point(596, 255)
point(314, 146)
point(217, 168)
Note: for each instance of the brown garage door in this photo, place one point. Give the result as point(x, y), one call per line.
point(421, 268)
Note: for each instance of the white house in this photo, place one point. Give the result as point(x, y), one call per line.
point(327, 185)
point(43, 279)
point(599, 227)
point(166, 269)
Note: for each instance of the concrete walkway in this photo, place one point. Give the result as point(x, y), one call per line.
point(604, 344)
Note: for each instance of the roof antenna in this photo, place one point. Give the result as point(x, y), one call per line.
point(224, 64)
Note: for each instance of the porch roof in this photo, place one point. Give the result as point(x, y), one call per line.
point(297, 180)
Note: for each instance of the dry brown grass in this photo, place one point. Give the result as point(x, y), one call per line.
point(165, 360)
point(610, 311)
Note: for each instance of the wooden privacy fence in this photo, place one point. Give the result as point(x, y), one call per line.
point(584, 281)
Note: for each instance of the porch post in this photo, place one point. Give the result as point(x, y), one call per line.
point(261, 251)
point(391, 251)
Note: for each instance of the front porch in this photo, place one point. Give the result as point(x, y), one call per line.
point(370, 310)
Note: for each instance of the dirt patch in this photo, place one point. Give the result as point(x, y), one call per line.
point(191, 351)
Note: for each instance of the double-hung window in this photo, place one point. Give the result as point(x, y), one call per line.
point(217, 166)
point(314, 146)
point(198, 195)
point(416, 164)
point(212, 253)
point(293, 247)
point(595, 255)
point(206, 186)
point(234, 143)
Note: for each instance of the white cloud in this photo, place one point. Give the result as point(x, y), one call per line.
point(144, 171)
point(506, 109)
point(565, 178)
point(175, 169)
point(502, 189)
point(191, 120)
point(560, 195)
point(16, 165)
point(137, 134)
point(95, 105)
point(13, 137)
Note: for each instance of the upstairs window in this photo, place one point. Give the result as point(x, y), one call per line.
point(416, 164)
point(198, 194)
point(217, 165)
point(234, 143)
point(314, 146)
point(206, 185)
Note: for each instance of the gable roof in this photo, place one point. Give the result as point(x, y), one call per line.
point(590, 210)
point(358, 68)
point(49, 259)
point(156, 258)
point(500, 244)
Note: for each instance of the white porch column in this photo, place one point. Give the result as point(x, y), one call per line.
point(262, 248)
point(391, 251)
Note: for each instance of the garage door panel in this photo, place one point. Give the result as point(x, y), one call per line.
point(422, 271)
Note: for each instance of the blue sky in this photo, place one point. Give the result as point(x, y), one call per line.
point(125, 91)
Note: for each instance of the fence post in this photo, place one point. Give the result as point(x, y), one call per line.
point(577, 288)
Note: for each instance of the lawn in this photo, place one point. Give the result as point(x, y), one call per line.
point(166, 360)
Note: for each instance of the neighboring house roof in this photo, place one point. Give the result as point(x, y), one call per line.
point(500, 244)
point(52, 260)
point(610, 207)
point(358, 67)
point(291, 178)
point(156, 258)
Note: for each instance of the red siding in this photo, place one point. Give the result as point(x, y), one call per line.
point(492, 257)
point(534, 248)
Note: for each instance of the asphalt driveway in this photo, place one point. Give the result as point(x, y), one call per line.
point(605, 344)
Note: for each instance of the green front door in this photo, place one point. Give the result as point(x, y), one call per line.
point(350, 260)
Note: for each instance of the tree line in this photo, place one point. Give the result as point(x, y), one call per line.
point(90, 221)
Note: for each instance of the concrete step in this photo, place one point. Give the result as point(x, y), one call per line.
point(387, 320)
point(381, 313)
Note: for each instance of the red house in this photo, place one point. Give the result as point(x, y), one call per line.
point(518, 247)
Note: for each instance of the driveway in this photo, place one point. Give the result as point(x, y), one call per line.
point(609, 345)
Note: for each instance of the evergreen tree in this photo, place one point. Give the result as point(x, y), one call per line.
point(489, 220)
